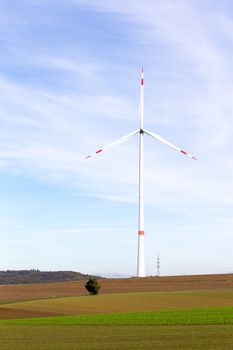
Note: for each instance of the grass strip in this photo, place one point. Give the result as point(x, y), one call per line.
point(202, 316)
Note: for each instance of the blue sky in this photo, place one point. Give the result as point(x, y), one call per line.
point(69, 83)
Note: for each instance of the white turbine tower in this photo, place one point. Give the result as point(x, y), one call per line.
point(141, 131)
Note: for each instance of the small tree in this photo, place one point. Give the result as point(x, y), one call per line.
point(93, 286)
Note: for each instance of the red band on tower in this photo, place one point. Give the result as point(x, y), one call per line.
point(141, 233)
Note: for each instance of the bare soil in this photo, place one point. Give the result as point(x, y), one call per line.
point(11, 293)
point(8, 313)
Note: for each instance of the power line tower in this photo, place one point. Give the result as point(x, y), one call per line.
point(158, 266)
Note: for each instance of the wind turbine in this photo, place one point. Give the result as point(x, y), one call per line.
point(141, 131)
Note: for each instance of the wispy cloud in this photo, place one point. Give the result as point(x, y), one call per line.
point(62, 115)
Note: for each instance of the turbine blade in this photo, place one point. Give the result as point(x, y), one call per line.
point(115, 143)
point(162, 140)
point(141, 102)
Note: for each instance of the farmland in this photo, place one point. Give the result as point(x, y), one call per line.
point(19, 292)
point(121, 302)
point(116, 337)
point(185, 312)
point(190, 329)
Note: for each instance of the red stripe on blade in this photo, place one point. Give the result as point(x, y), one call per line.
point(141, 233)
point(87, 157)
point(182, 151)
point(100, 150)
point(142, 81)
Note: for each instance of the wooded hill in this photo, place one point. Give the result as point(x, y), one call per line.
point(37, 276)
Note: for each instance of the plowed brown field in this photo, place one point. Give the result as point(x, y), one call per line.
point(19, 292)
point(8, 313)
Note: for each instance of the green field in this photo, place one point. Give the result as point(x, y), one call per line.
point(206, 329)
point(178, 320)
point(203, 316)
point(64, 337)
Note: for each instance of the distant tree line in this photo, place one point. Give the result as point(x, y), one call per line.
point(37, 276)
